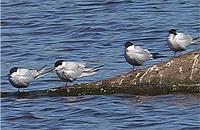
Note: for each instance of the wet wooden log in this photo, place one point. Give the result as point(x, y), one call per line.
point(180, 74)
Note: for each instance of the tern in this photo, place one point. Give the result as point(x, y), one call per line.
point(70, 71)
point(22, 77)
point(179, 41)
point(136, 55)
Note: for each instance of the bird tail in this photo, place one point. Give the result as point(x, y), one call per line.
point(91, 71)
point(157, 55)
point(43, 71)
point(196, 40)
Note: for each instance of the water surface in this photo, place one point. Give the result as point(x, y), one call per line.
point(38, 32)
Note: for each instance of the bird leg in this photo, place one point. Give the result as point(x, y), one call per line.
point(133, 68)
point(174, 53)
point(66, 85)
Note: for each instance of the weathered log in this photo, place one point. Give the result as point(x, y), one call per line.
point(180, 74)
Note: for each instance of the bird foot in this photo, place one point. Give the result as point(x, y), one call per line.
point(67, 85)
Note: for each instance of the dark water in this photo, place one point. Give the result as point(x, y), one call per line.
point(38, 32)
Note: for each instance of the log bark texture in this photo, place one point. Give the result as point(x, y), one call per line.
point(179, 74)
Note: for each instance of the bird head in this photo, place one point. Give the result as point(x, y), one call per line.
point(173, 31)
point(58, 64)
point(12, 71)
point(127, 44)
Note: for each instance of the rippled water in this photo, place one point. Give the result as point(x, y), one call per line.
point(38, 32)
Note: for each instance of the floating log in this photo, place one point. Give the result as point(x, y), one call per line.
point(180, 74)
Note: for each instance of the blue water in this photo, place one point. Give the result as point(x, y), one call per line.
point(39, 32)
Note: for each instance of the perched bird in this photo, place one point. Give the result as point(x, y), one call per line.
point(70, 71)
point(179, 41)
point(136, 55)
point(21, 77)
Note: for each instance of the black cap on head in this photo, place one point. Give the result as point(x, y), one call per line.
point(59, 62)
point(128, 43)
point(173, 31)
point(12, 70)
